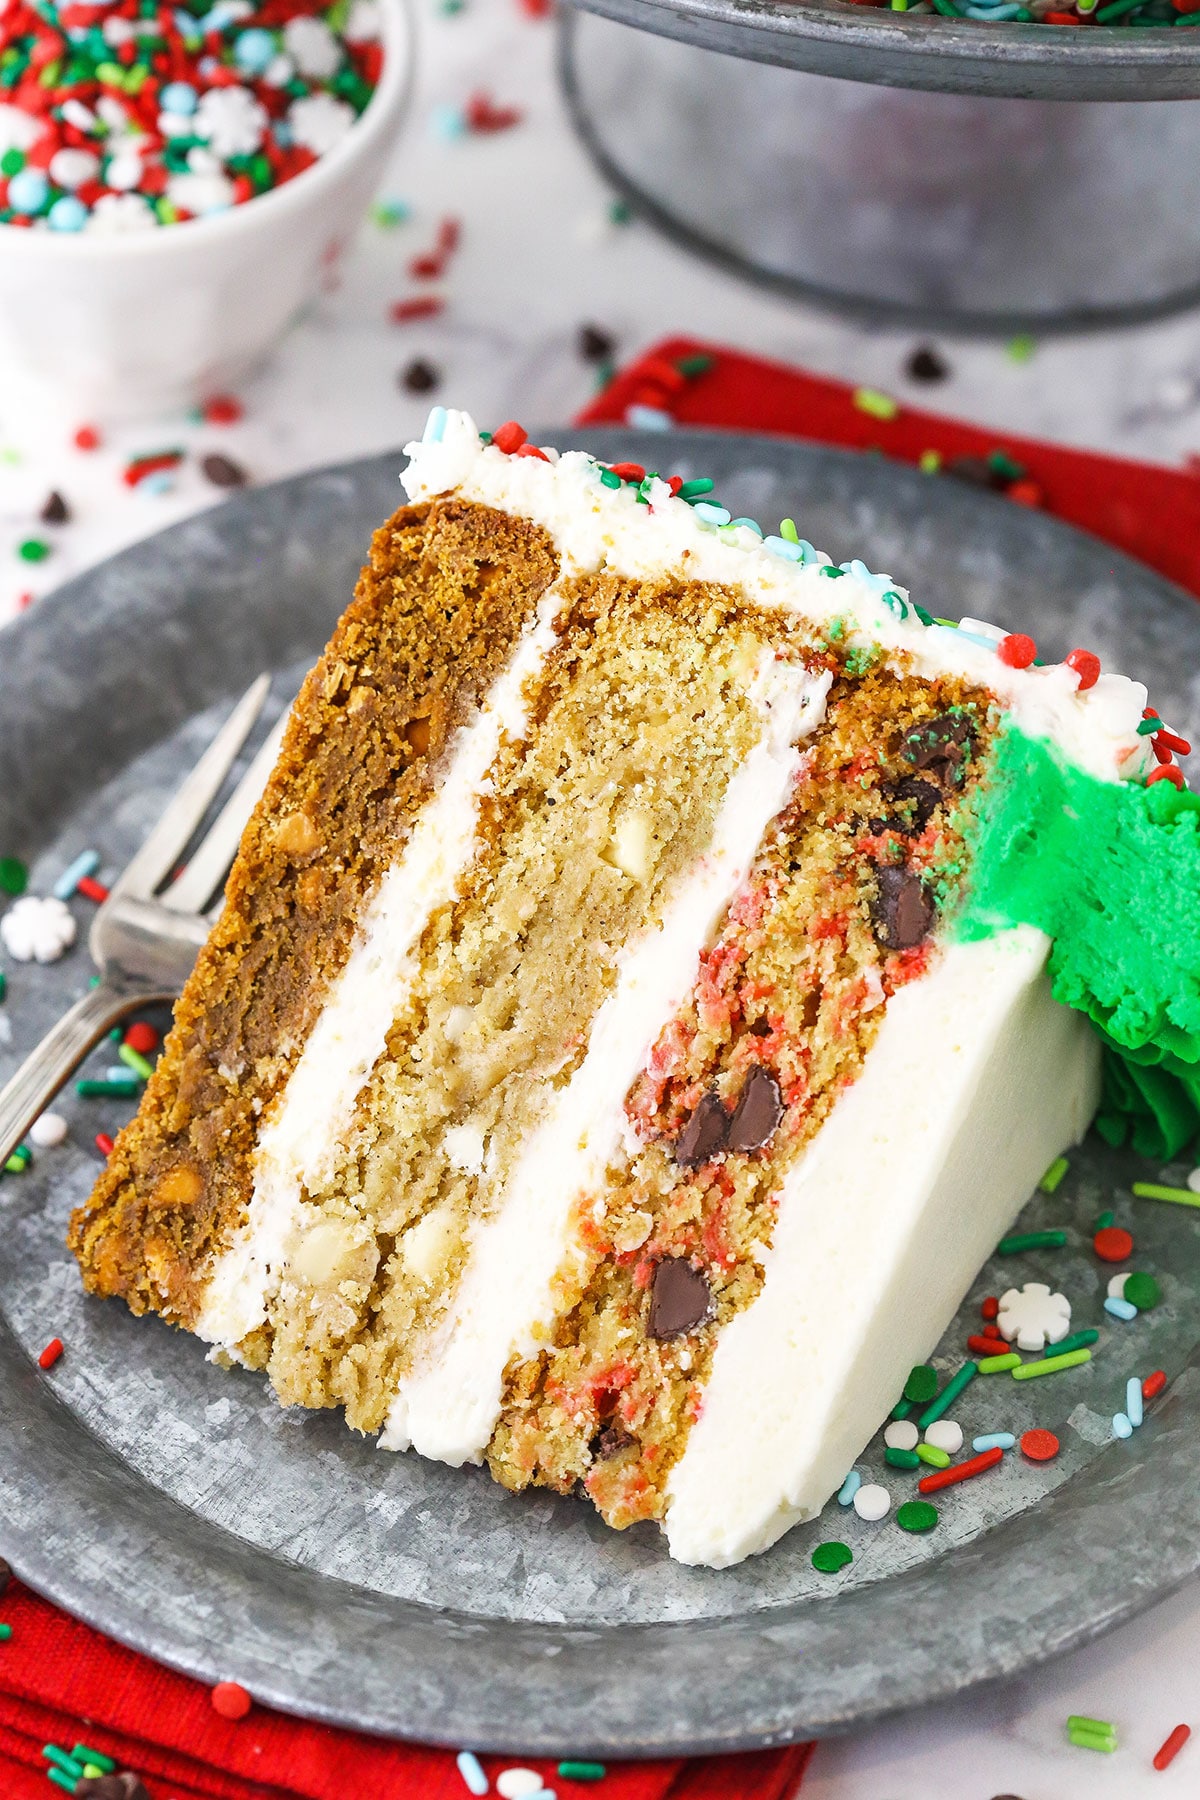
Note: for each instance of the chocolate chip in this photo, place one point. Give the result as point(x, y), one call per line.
point(680, 1300)
point(942, 746)
point(977, 471)
point(419, 377)
point(925, 364)
point(55, 510)
point(758, 1111)
point(916, 800)
point(610, 1442)
point(594, 345)
point(705, 1133)
point(222, 471)
point(902, 911)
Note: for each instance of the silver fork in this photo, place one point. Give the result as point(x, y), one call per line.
point(144, 943)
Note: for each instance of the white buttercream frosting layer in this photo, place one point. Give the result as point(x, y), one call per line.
point(976, 1081)
point(597, 527)
point(448, 1405)
point(299, 1141)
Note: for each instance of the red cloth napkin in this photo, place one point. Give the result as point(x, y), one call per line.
point(1151, 513)
point(62, 1683)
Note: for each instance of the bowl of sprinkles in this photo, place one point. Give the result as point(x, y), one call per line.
point(177, 178)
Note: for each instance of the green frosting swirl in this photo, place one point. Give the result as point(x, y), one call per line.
point(1110, 871)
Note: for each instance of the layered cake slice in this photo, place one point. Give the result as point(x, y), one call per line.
point(605, 1024)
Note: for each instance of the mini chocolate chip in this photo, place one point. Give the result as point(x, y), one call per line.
point(222, 471)
point(902, 912)
point(942, 746)
point(55, 510)
point(609, 1442)
point(977, 471)
point(918, 801)
point(926, 364)
point(420, 377)
point(758, 1111)
point(594, 345)
point(680, 1300)
point(704, 1134)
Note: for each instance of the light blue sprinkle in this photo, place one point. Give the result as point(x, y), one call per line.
point(435, 426)
point(1120, 1309)
point(849, 1488)
point(254, 50)
point(648, 418)
point(27, 191)
point(994, 1440)
point(751, 524)
point(859, 569)
point(285, 137)
point(709, 513)
point(86, 863)
point(448, 122)
point(180, 96)
point(471, 1771)
point(972, 637)
point(67, 214)
point(161, 481)
point(785, 548)
point(1121, 1426)
point(1133, 1400)
point(993, 12)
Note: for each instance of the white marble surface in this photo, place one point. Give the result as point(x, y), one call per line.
point(537, 260)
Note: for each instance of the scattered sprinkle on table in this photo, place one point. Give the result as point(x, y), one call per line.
point(1169, 1749)
point(1120, 1309)
point(945, 1435)
point(849, 1488)
point(993, 1440)
point(1141, 1290)
point(1052, 1179)
point(1051, 1365)
point(828, 1558)
point(1039, 1445)
point(518, 1784)
point(582, 1771)
point(1154, 1384)
point(921, 1385)
point(50, 1354)
point(1031, 1240)
point(1152, 1190)
point(471, 1770)
point(916, 1515)
point(949, 1394)
point(872, 1502)
point(901, 1434)
point(1092, 1734)
point(230, 1700)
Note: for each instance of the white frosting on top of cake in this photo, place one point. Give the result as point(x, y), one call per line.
point(447, 1406)
point(299, 1141)
point(598, 527)
point(976, 1081)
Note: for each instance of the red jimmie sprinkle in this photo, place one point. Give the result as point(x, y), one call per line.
point(1085, 663)
point(87, 438)
point(91, 889)
point(1165, 1755)
point(990, 1308)
point(963, 1471)
point(1016, 650)
point(1167, 772)
point(1170, 741)
point(104, 1143)
point(1154, 1384)
point(423, 306)
point(510, 437)
point(629, 471)
point(531, 450)
point(50, 1354)
point(142, 1037)
point(1113, 1244)
point(1039, 1445)
point(230, 1699)
point(987, 1346)
point(223, 409)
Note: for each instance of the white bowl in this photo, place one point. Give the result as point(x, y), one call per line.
point(121, 326)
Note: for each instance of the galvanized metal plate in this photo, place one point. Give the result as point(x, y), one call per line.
point(178, 1507)
point(957, 56)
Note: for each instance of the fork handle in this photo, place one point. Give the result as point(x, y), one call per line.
point(58, 1056)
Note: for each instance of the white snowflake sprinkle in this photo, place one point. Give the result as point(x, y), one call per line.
point(312, 47)
point(319, 122)
point(1034, 1316)
point(231, 120)
point(37, 930)
point(119, 213)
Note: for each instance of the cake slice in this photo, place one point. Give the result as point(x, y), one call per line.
point(604, 1024)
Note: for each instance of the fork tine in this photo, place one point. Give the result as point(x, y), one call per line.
point(210, 864)
point(169, 836)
